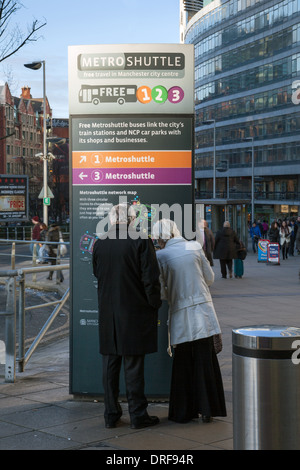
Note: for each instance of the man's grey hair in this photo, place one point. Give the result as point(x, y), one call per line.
point(122, 214)
point(226, 224)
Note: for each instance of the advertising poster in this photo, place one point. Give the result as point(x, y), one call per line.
point(132, 133)
point(274, 253)
point(13, 198)
point(262, 250)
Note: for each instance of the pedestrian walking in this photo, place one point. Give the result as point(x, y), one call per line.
point(239, 261)
point(255, 234)
point(196, 382)
point(284, 233)
point(54, 236)
point(297, 234)
point(226, 242)
point(35, 232)
point(129, 298)
point(274, 233)
point(265, 228)
point(43, 249)
point(205, 237)
point(292, 237)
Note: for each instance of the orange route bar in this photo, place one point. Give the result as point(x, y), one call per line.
point(139, 159)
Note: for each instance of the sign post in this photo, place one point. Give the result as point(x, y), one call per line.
point(132, 134)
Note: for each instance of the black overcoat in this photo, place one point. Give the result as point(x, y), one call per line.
point(128, 293)
point(226, 243)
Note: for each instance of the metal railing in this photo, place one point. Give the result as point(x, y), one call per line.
point(15, 282)
point(24, 232)
point(258, 195)
point(15, 277)
point(34, 256)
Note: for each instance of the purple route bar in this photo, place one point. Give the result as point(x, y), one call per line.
point(125, 176)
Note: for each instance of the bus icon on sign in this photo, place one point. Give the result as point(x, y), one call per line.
point(107, 94)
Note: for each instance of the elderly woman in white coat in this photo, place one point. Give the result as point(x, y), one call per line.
point(196, 384)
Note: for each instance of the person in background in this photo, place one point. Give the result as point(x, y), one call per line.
point(284, 233)
point(185, 275)
point(205, 237)
point(53, 236)
point(292, 237)
point(226, 242)
point(239, 261)
point(297, 234)
point(265, 228)
point(127, 272)
point(255, 234)
point(43, 250)
point(35, 233)
point(274, 232)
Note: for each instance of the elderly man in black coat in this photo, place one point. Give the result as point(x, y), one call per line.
point(226, 243)
point(126, 268)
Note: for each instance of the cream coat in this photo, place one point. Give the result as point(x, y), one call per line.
point(185, 277)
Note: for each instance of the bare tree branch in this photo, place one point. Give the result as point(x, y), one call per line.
point(12, 39)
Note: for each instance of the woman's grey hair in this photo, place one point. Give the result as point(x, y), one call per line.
point(226, 224)
point(122, 214)
point(165, 229)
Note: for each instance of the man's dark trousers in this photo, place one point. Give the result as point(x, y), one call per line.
point(134, 381)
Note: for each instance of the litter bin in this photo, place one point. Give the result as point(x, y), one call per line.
point(266, 387)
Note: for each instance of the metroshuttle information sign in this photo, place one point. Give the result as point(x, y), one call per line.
point(132, 132)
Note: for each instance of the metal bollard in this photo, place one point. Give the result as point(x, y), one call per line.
point(266, 388)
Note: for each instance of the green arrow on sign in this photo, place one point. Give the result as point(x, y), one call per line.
point(47, 201)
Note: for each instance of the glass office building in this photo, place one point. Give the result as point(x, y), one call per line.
point(247, 135)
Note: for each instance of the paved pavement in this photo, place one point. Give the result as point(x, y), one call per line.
point(37, 412)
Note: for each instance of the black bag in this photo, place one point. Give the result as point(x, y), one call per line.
point(218, 343)
point(241, 251)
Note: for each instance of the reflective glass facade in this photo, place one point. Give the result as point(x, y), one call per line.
point(247, 58)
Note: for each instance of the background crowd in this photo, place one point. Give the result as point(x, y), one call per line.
point(285, 232)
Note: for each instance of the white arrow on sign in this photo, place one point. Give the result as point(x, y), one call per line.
point(82, 175)
point(83, 159)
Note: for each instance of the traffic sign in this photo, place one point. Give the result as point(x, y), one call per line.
point(49, 193)
point(47, 201)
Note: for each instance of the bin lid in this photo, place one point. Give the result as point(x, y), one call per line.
point(266, 337)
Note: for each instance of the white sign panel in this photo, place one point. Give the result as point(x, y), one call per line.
point(131, 78)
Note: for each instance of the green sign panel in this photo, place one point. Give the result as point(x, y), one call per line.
point(132, 133)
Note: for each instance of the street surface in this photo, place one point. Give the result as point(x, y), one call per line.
point(37, 412)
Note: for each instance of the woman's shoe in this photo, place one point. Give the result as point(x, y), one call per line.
point(206, 419)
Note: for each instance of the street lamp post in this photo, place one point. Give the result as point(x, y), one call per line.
point(37, 66)
point(251, 139)
point(213, 121)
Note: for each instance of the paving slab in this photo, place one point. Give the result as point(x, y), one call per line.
point(38, 413)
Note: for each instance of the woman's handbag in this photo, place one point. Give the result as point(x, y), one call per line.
point(62, 247)
point(218, 343)
point(43, 252)
point(242, 253)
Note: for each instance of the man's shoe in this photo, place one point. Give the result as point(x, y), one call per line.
point(144, 422)
point(111, 424)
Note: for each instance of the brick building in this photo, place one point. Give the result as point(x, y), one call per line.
point(21, 144)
